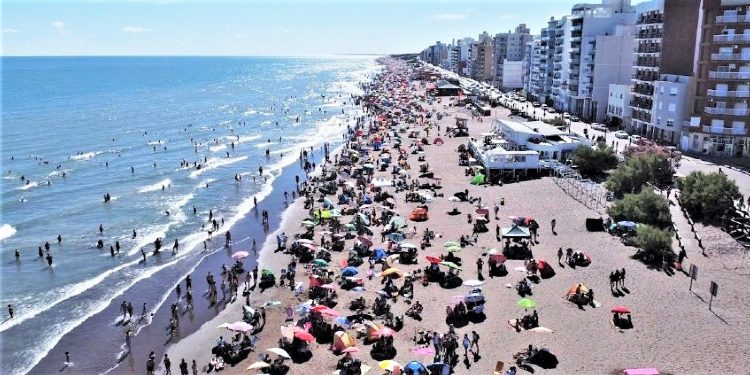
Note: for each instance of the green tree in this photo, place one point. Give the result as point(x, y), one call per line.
point(655, 245)
point(645, 207)
point(708, 197)
point(638, 170)
point(593, 161)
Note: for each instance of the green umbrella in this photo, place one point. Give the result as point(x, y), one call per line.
point(526, 303)
point(351, 226)
point(453, 249)
point(451, 265)
point(451, 243)
point(320, 262)
point(266, 272)
point(478, 179)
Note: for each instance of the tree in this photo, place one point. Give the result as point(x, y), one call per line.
point(645, 207)
point(593, 161)
point(557, 121)
point(708, 197)
point(638, 170)
point(655, 245)
point(646, 147)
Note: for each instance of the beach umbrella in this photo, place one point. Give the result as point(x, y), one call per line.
point(416, 368)
point(397, 222)
point(473, 283)
point(351, 349)
point(541, 330)
point(392, 271)
point(396, 237)
point(626, 224)
point(386, 332)
point(388, 365)
point(482, 211)
point(433, 259)
point(423, 350)
point(451, 243)
point(350, 227)
point(368, 166)
point(453, 249)
point(328, 286)
point(307, 223)
point(223, 325)
point(454, 199)
point(407, 245)
point(331, 313)
point(288, 331)
point(498, 258)
point(304, 336)
point(478, 179)
point(320, 262)
point(240, 327)
point(327, 203)
point(258, 365)
point(349, 271)
point(343, 321)
point(280, 352)
point(526, 303)
point(304, 241)
point(266, 272)
point(319, 308)
point(474, 297)
point(451, 265)
point(240, 255)
point(621, 310)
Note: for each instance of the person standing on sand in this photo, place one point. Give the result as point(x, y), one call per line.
point(559, 255)
point(167, 365)
point(188, 283)
point(466, 343)
point(195, 368)
point(183, 367)
point(553, 223)
point(475, 340)
point(480, 263)
point(67, 359)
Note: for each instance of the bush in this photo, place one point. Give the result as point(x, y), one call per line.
point(593, 161)
point(646, 147)
point(655, 245)
point(708, 197)
point(645, 207)
point(557, 121)
point(639, 170)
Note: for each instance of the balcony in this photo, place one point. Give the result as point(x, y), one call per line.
point(729, 75)
point(732, 38)
point(650, 18)
point(727, 111)
point(733, 18)
point(729, 94)
point(730, 56)
point(722, 130)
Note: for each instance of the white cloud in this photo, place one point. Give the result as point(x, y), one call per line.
point(135, 29)
point(10, 31)
point(449, 17)
point(59, 25)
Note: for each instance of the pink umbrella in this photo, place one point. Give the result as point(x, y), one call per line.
point(385, 332)
point(240, 327)
point(351, 349)
point(240, 255)
point(419, 350)
point(327, 286)
point(304, 336)
point(331, 313)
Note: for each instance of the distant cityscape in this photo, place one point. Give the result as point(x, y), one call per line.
point(675, 71)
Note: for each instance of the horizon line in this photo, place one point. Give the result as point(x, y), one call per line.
point(207, 55)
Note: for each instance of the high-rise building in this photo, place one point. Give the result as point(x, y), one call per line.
point(509, 47)
point(482, 59)
point(720, 121)
point(665, 36)
point(541, 83)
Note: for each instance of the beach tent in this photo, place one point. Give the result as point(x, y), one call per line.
point(378, 254)
point(418, 214)
point(516, 231)
point(327, 203)
point(572, 290)
point(438, 141)
point(342, 340)
point(396, 237)
point(478, 179)
point(398, 222)
point(545, 270)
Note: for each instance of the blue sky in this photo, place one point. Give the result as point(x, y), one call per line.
point(277, 28)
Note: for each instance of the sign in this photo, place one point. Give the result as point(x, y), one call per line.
point(694, 272)
point(714, 288)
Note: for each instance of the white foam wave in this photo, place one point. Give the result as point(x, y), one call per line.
point(217, 148)
point(155, 187)
point(265, 144)
point(85, 156)
point(249, 112)
point(6, 231)
point(28, 186)
point(214, 163)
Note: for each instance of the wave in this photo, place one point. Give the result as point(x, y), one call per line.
point(155, 187)
point(28, 186)
point(217, 148)
point(204, 184)
point(214, 163)
point(249, 112)
point(85, 156)
point(6, 231)
point(265, 144)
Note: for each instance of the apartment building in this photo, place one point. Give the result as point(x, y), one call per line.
point(482, 59)
point(720, 115)
point(509, 47)
point(665, 37)
point(542, 69)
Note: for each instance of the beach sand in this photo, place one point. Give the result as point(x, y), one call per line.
point(673, 327)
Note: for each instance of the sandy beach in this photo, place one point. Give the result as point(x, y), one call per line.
point(673, 331)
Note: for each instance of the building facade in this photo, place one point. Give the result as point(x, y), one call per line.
point(510, 46)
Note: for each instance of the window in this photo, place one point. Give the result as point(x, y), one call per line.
point(673, 91)
point(661, 104)
point(672, 107)
point(670, 122)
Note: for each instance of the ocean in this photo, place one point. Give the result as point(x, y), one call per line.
point(77, 128)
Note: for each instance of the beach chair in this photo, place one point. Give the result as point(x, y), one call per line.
point(498, 368)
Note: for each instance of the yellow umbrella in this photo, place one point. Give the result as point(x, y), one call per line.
point(388, 365)
point(258, 365)
point(391, 271)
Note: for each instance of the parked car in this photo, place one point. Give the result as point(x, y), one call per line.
point(600, 127)
point(621, 134)
point(635, 138)
point(537, 104)
point(551, 110)
point(575, 118)
point(566, 115)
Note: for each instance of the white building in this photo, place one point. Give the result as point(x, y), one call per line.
point(613, 64)
point(512, 75)
point(618, 104)
point(670, 109)
point(509, 46)
point(550, 142)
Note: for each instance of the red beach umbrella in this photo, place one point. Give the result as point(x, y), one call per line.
point(433, 259)
point(621, 310)
point(304, 336)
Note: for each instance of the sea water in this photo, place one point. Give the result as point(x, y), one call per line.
point(77, 128)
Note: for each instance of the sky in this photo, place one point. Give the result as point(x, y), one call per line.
point(257, 28)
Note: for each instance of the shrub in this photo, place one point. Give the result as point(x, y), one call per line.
point(593, 161)
point(557, 121)
point(645, 207)
point(646, 147)
point(638, 170)
point(655, 245)
point(708, 197)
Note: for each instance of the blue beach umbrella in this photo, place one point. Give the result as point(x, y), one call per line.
point(349, 271)
point(416, 368)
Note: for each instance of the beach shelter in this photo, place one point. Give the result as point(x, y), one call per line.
point(389, 365)
point(279, 352)
point(258, 365)
point(545, 270)
point(240, 255)
point(396, 237)
point(397, 222)
point(327, 204)
point(342, 340)
point(574, 288)
point(349, 271)
point(516, 231)
point(418, 214)
point(478, 179)
point(416, 368)
point(526, 303)
point(451, 265)
point(379, 254)
point(438, 141)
